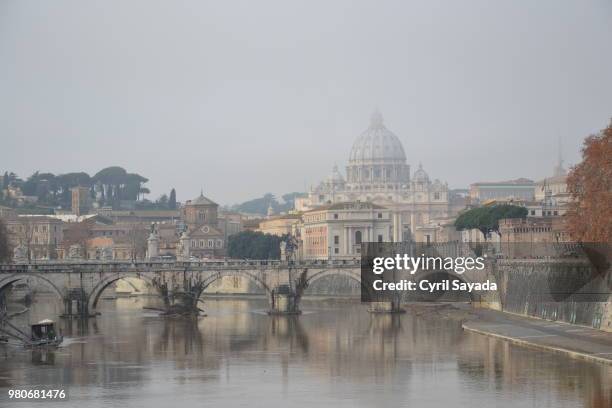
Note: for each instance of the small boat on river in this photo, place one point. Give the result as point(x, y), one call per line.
point(44, 335)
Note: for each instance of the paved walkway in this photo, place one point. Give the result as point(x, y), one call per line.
point(577, 341)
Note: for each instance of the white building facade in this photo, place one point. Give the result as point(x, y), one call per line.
point(336, 231)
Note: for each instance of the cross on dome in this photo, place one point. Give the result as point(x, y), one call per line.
point(376, 120)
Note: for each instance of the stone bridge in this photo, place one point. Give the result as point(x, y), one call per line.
point(79, 284)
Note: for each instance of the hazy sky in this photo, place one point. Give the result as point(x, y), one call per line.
point(246, 97)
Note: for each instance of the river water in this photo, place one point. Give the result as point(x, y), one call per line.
point(334, 355)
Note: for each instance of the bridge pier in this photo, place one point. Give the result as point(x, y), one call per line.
point(3, 316)
point(284, 301)
point(76, 305)
point(183, 303)
point(386, 307)
point(3, 311)
point(2, 304)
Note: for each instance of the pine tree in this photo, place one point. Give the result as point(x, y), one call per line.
point(172, 200)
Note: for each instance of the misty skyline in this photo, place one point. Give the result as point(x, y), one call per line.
point(242, 98)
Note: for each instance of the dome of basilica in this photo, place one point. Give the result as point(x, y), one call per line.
point(377, 144)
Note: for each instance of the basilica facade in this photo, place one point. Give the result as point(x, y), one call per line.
point(377, 172)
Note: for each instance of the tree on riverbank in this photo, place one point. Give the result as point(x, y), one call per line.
point(589, 218)
point(254, 245)
point(486, 219)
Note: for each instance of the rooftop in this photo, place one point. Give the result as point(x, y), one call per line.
point(201, 200)
point(349, 205)
point(516, 182)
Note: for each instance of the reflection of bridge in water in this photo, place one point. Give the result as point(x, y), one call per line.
point(80, 284)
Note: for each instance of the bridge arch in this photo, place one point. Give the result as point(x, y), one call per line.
point(214, 276)
point(96, 292)
point(353, 274)
point(9, 280)
point(356, 276)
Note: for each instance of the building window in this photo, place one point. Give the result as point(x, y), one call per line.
point(532, 212)
point(380, 238)
point(358, 237)
point(335, 216)
point(336, 250)
point(436, 196)
point(379, 215)
point(555, 212)
point(336, 239)
point(211, 243)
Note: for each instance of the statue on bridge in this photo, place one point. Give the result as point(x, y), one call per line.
point(106, 254)
point(153, 244)
point(74, 252)
point(182, 248)
point(289, 248)
point(20, 254)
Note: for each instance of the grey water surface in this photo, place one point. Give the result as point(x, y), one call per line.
point(335, 354)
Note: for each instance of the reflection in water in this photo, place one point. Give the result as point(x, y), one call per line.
point(335, 354)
